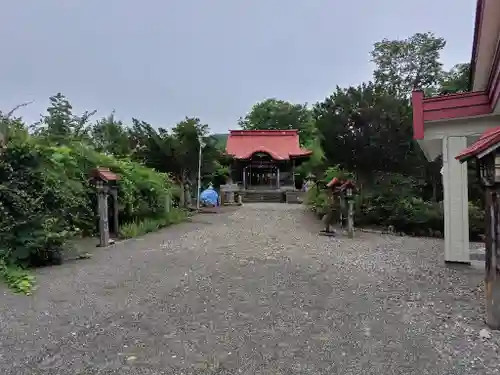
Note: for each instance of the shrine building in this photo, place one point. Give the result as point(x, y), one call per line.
point(265, 159)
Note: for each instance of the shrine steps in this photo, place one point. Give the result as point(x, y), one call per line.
point(256, 196)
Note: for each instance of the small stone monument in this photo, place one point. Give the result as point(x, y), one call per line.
point(105, 183)
point(227, 193)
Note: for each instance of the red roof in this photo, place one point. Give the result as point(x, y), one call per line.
point(279, 144)
point(488, 139)
point(334, 182)
point(104, 174)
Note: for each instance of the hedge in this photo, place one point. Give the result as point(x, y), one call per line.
point(46, 197)
point(393, 200)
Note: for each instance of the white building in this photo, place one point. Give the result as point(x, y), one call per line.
point(448, 124)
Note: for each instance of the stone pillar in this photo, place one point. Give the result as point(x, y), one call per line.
point(277, 177)
point(456, 209)
point(293, 174)
point(102, 206)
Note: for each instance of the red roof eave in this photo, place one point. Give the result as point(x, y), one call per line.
point(445, 107)
point(279, 144)
point(488, 139)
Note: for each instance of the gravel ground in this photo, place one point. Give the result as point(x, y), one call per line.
point(252, 291)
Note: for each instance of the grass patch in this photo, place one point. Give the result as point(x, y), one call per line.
point(141, 227)
point(18, 279)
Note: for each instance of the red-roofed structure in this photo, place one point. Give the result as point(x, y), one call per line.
point(279, 144)
point(488, 140)
point(265, 158)
point(450, 125)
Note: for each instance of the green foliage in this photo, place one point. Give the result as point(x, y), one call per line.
point(317, 200)
point(402, 65)
point(111, 137)
point(35, 205)
point(337, 172)
point(394, 200)
point(274, 114)
point(60, 125)
point(17, 278)
point(46, 198)
point(220, 141)
point(456, 80)
point(140, 227)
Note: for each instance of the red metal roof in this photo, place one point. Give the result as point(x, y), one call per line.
point(104, 174)
point(488, 139)
point(279, 144)
point(334, 182)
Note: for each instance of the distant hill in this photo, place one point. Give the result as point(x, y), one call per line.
point(221, 140)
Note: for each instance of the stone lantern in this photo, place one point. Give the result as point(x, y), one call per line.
point(105, 183)
point(486, 153)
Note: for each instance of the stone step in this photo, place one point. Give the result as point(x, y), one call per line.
point(257, 196)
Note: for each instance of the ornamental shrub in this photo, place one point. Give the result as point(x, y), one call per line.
point(46, 197)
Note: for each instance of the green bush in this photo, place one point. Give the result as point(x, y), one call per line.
point(46, 198)
point(393, 200)
point(17, 278)
point(141, 227)
point(34, 206)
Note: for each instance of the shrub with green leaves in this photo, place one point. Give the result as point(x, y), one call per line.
point(34, 206)
point(46, 197)
point(140, 227)
point(394, 200)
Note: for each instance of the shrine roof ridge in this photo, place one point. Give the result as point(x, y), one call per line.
point(267, 132)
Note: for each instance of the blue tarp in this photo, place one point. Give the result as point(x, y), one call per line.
point(209, 197)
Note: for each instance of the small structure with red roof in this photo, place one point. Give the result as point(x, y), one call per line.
point(265, 159)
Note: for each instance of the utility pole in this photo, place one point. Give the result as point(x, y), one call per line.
point(200, 141)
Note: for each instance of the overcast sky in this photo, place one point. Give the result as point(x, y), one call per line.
point(162, 60)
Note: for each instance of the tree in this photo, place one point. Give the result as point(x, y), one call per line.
point(365, 129)
point(111, 136)
point(402, 65)
point(60, 125)
point(12, 126)
point(274, 114)
point(456, 80)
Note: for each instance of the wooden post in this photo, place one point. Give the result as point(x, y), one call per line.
point(168, 203)
point(114, 194)
point(102, 204)
point(492, 277)
point(350, 219)
point(341, 209)
point(293, 174)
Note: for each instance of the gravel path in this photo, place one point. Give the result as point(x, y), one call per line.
point(254, 291)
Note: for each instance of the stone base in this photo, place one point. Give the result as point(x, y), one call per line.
point(294, 197)
point(110, 242)
point(327, 234)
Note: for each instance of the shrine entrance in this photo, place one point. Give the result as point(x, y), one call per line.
point(265, 160)
point(261, 172)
